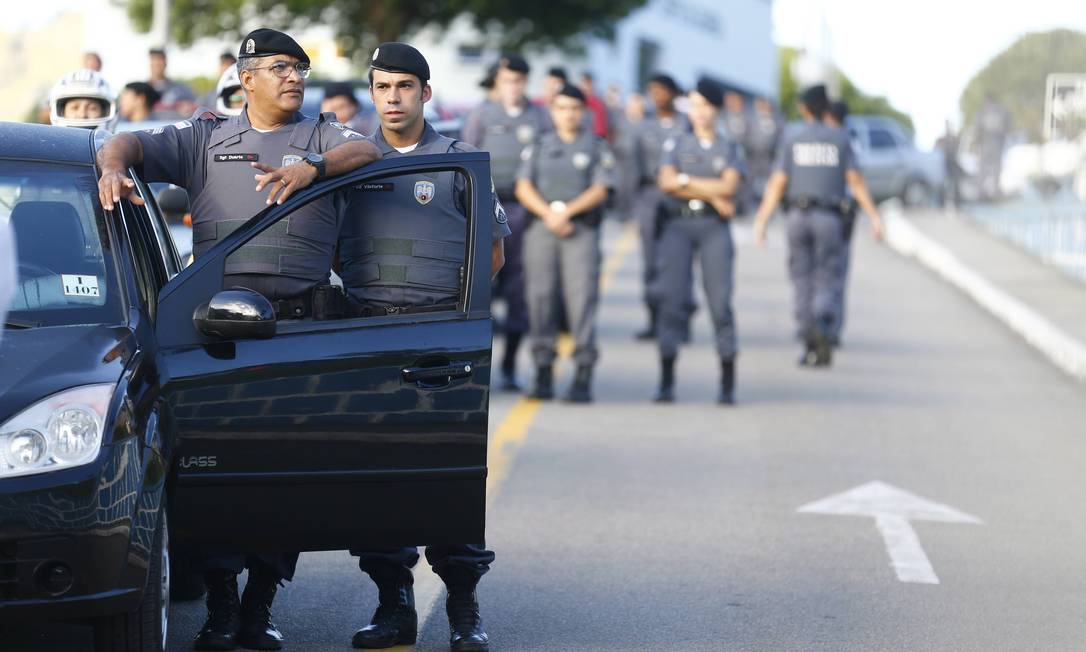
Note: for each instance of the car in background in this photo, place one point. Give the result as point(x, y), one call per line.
point(148, 412)
point(891, 162)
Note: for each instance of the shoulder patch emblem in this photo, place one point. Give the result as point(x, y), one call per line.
point(499, 212)
point(526, 153)
point(184, 124)
point(424, 192)
point(291, 159)
point(581, 160)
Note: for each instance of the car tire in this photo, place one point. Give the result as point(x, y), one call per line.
point(146, 628)
point(185, 582)
point(916, 193)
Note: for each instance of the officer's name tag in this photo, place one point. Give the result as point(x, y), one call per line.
point(78, 285)
point(375, 187)
point(237, 156)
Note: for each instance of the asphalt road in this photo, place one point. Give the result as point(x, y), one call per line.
point(631, 526)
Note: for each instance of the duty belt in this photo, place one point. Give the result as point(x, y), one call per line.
point(321, 303)
point(369, 310)
point(697, 208)
point(845, 207)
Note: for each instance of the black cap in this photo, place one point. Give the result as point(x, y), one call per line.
point(711, 91)
point(666, 81)
point(340, 89)
point(401, 57)
point(569, 90)
point(815, 99)
point(266, 42)
point(558, 72)
point(839, 110)
point(514, 62)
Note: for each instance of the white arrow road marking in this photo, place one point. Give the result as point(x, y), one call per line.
point(892, 509)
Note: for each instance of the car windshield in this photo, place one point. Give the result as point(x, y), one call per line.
point(67, 272)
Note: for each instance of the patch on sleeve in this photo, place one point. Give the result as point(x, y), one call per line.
point(499, 212)
point(669, 144)
point(79, 285)
point(154, 131)
point(607, 160)
point(184, 124)
point(526, 153)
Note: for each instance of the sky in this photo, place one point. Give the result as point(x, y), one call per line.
point(919, 54)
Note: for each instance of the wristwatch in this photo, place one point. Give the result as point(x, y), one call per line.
point(558, 207)
point(317, 161)
point(684, 180)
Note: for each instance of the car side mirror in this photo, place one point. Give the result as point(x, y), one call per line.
point(235, 314)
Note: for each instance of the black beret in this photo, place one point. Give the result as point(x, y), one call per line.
point(266, 42)
point(340, 89)
point(815, 98)
point(514, 62)
point(558, 72)
point(569, 90)
point(666, 81)
point(711, 91)
point(400, 57)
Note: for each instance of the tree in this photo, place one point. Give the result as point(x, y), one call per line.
point(361, 24)
point(1016, 77)
point(858, 101)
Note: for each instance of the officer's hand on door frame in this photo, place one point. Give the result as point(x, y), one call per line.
point(284, 181)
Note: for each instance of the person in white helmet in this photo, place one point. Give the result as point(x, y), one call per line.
point(82, 98)
point(229, 97)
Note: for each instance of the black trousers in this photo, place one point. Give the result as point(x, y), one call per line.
point(465, 562)
point(282, 564)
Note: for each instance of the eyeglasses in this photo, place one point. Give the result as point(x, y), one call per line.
point(281, 69)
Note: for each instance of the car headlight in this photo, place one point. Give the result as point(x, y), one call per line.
point(58, 432)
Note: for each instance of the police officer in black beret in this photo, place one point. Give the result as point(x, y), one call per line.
point(419, 222)
point(216, 160)
point(700, 173)
point(814, 171)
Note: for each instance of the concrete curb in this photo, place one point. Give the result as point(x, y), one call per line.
point(1066, 352)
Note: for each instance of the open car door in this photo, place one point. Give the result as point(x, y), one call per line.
point(360, 432)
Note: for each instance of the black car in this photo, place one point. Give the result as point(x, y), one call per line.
point(147, 410)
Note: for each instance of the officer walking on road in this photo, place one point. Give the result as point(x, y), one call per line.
point(564, 180)
point(700, 171)
point(813, 168)
point(652, 134)
point(216, 160)
point(413, 230)
point(504, 128)
point(760, 146)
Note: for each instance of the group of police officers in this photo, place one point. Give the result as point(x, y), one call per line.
point(552, 179)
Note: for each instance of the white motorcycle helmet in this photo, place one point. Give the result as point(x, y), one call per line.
point(229, 84)
point(77, 85)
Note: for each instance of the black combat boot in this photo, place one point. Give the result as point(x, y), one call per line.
point(395, 622)
point(220, 631)
point(258, 632)
point(823, 348)
point(466, 632)
point(544, 383)
point(727, 382)
point(666, 393)
point(580, 391)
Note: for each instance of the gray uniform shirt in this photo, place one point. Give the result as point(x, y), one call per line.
point(561, 171)
point(409, 231)
point(489, 127)
point(700, 158)
point(815, 158)
point(652, 133)
point(760, 146)
point(210, 156)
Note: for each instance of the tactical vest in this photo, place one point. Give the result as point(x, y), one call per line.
point(300, 245)
point(407, 231)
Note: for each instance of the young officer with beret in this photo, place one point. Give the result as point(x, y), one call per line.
point(401, 250)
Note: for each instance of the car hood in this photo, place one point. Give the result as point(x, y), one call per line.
point(38, 362)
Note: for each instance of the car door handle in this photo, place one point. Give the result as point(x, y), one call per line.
point(437, 376)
